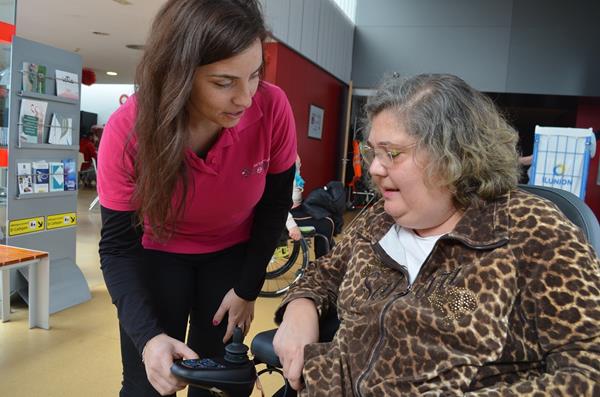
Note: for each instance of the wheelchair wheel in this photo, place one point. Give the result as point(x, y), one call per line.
point(285, 267)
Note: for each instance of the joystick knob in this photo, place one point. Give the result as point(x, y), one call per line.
point(236, 351)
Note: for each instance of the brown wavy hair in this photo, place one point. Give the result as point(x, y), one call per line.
point(472, 148)
point(185, 34)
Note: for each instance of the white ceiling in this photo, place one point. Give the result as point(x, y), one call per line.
point(68, 24)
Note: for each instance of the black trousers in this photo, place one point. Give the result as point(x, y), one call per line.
point(183, 287)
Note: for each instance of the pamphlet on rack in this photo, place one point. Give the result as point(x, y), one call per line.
point(24, 178)
point(57, 176)
point(32, 116)
point(40, 176)
point(34, 77)
point(67, 84)
point(70, 174)
point(61, 130)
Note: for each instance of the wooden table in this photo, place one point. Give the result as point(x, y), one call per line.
point(38, 265)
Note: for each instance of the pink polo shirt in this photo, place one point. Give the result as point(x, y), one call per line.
point(224, 188)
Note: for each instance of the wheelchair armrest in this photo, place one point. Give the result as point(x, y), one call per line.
point(262, 344)
point(262, 349)
point(307, 231)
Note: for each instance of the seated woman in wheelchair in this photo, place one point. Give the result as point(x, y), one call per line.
point(324, 227)
point(456, 281)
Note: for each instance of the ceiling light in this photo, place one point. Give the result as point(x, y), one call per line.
point(112, 73)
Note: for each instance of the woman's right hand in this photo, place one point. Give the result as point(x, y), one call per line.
point(300, 326)
point(158, 356)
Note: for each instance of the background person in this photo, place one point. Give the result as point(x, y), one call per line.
point(195, 178)
point(298, 216)
point(88, 149)
point(297, 189)
point(456, 282)
point(96, 134)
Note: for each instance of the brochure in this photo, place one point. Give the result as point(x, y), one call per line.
point(40, 176)
point(34, 77)
point(67, 84)
point(29, 77)
point(70, 174)
point(33, 116)
point(41, 76)
point(24, 178)
point(57, 177)
point(61, 130)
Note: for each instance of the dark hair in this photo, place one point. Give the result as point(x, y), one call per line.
point(185, 34)
point(472, 149)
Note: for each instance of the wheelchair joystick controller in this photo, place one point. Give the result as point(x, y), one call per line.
point(233, 375)
point(236, 352)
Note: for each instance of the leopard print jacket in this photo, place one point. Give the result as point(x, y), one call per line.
point(507, 304)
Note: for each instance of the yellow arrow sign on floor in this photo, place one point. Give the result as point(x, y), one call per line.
point(24, 226)
point(61, 220)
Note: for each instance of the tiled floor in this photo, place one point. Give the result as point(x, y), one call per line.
point(79, 355)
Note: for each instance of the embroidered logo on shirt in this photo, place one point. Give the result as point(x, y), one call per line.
point(256, 169)
point(376, 282)
point(452, 303)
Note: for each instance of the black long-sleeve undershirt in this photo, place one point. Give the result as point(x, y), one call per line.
point(121, 257)
point(121, 261)
point(270, 215)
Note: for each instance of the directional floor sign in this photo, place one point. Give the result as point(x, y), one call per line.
point(61, 220)
point(24, 226)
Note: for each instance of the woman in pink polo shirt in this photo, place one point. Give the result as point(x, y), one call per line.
point(195, 177)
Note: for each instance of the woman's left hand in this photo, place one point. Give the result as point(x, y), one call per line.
point(295, 233)
point(241, 313)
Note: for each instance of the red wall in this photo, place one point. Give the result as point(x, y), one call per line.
point(306, 84)
point(588, 115)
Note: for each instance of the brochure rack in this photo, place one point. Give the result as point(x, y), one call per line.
point(44, 221)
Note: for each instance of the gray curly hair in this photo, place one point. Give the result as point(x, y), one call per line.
point(472, 149)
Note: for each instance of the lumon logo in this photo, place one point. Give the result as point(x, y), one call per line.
point(558, 178)
point(559, 169)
